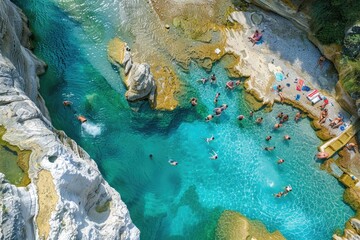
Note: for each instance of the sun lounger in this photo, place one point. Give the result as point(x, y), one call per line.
point(299, 84)
point(314, 96)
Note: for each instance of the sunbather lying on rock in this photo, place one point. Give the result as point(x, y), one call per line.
point(255, 37)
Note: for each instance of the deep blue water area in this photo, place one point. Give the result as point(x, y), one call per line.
point(183, 201)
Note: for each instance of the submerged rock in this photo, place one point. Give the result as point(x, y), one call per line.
point(67, 197)
point(234, 226)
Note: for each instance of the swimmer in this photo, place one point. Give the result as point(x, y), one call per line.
point(209, 118)
point(277, 125)
point(208, 140)
point(268, 138)
point(269, 148)
point(67, 103)
point(259, 120)
point(217, 111)
point(251, 113)
point(230, 85)
point(238, 82)
point(287, 137)
point(193, 101)
point(280, 115)
point(216, 97)
point(288, 189)
point(81, 118)
point(151, 157)
point(214, 156)
point(322, 155)
point(203, 80)
point(224, 107)
point(172, 162)
point(279, 194)
point(285, 118)
point(280, 161)
point(240, 117)
point(213, 78)
point(297, 116)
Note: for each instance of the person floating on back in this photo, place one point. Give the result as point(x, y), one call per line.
point(173, 162)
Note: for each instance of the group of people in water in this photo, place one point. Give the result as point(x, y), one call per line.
point(81, 118)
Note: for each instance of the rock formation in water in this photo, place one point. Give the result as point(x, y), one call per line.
point(67, 197)
point(138, 78)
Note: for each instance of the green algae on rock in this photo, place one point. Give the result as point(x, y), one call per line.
point(18, 177)
point(234, 226)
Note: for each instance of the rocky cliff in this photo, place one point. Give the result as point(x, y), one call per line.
point(67, 197)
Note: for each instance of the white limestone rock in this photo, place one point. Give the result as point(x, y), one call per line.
point(140, 82)
point(78, 183)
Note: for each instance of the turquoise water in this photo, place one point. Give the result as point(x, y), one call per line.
point(185, 201)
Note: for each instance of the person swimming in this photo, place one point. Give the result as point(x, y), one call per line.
point(259, 120)
point(67, 103)
point(203, 80)
point(230, 85)
point(240, 117)
point(209, 118)
point(297, 116)
point(173, 162)
point(322, 155)
point(208, 140)
point(268, 138)
point(81, 118)
point(213, 156)
point(288, 189)
point(213, 78)
point(269, 148)
point(151, 157)
point(280, 115)
point(193, 101)
point(277, 125)
point(287, 137)
point(280, 161)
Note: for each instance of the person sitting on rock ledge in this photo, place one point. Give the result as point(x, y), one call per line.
point(323, 116)
point(81, 118)
point(322, 155)
point(193, 101)
point(256, 37)
point(351, 146)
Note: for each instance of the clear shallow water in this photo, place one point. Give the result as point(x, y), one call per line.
point(182, 202)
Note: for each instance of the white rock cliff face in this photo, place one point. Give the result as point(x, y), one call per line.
point(85, 206)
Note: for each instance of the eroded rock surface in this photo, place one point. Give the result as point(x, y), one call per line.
point(80, 204)
point(138, 78)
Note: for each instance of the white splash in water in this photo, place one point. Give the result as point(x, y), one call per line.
point(91, 128)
